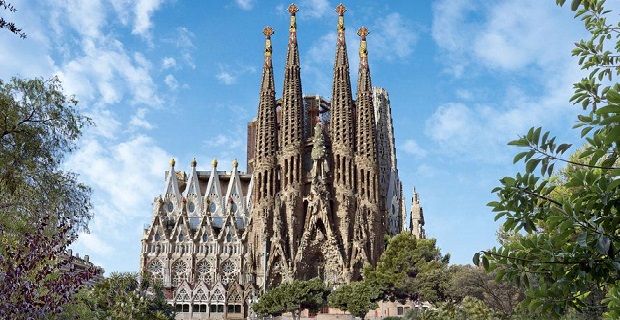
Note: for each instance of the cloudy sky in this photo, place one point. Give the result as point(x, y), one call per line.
point(180, 79)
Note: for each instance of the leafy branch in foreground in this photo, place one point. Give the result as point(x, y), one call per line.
point(569, 248)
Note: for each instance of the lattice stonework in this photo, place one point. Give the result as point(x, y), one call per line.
point(179, 272)
point(200, 295)
point(156, 270)
point(182, 295)
point(229, 270)
point(204, 270)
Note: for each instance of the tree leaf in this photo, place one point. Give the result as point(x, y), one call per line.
point(602, 245)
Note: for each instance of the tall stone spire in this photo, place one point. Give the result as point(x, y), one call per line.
point(291, 149)
point(292, 103)
point(342, 140)
point(266, 134)
point(366, 140)
point(265, 168)
point(366, 159)
point(342, 101)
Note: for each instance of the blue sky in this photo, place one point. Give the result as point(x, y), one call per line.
point(181, 79)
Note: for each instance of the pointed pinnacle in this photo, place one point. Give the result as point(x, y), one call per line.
point(292, 9)
point(341, 9)
point(363, 32)
point(268, 31)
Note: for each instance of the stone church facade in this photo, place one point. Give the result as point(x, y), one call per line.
point(320, 192)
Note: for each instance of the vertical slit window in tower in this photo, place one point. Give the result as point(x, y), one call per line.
point(368, 183)
point(285, 172)
point(298, 167)
point(258, 191)
point(291, 169)
point(337, 168)
point(350, 173)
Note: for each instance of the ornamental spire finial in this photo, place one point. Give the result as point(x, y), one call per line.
point(341, 10)
point(172, 162)
point(363, 32)
point(214, 163)
point(235, 163)
point(293, 27)
point(268, 31)
point(193, 163)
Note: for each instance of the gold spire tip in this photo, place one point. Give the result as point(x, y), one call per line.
point(341, 9)
point(293, 9)
point(172, 162)
point(235, 163)
point(268, 31)
point(363, 32)
point(193, 163)
point(214, 163)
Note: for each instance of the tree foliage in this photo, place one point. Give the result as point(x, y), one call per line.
point(293, 297)
point(120, 296)
point(7, 24)
point(410, 268)
point(41, 206)
point(503, 297)
point(571, 239)
point(357, 298)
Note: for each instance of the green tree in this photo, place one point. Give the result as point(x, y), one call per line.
point(293, 297)
point(120, 296)
point(571, 239)
point(356, 297)
point(41, 206)
point(410, 268)
point(503, 297)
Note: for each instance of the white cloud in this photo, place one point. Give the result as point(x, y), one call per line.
point(124, 176)
point(245, 4)
point(226, 77)
point(168, 62)
point(410, 146)
point(143, 10)
point(503, 35)
point(314, 9)
point(222, 140)
point(138, 120)
point(94, 244)
point(392, 37)
point(106, 72)
point(171, 82)
point(183, 41)
point(464, 94)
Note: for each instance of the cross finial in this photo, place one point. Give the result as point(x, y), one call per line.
point(292, 9)
point(341, 9)
point(268, 31)
point(363, 32)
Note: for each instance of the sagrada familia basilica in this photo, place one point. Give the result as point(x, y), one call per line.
point(320, 192)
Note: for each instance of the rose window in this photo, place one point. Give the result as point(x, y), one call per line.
point(179, 266)
point(155, 266)
point(204, 267)
point(178, 272)
point(228, 267)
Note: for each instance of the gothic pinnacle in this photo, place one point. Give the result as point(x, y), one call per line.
point(293, 27)
point(363, 32)
point(341, 10)
point(268, 31)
